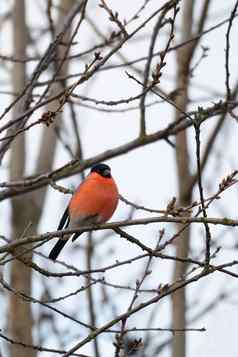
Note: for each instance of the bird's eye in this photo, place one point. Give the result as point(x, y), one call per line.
point(106, 173)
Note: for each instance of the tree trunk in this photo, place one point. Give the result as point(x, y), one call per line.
point(185, 195)
point(20, 314)
point(26, 214)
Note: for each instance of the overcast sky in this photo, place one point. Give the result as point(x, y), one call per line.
point(146, 176)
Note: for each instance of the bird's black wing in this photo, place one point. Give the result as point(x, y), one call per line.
point(64, 222)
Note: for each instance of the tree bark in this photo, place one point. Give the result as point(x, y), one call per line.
point(183, 174)
point(20, 314)
point(26, 214)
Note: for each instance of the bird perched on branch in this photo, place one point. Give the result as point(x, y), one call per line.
point(94, 202)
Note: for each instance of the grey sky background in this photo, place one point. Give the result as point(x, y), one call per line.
point(146, 176)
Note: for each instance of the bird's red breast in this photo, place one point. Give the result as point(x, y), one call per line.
point(97, 195)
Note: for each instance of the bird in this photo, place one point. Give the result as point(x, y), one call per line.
point(93, 202)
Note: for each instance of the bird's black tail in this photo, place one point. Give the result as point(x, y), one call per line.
point(57, 249)
point(64, 223)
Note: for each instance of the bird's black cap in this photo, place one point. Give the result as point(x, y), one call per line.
point(102, 169)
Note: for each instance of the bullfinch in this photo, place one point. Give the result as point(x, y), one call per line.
point(94, 201)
